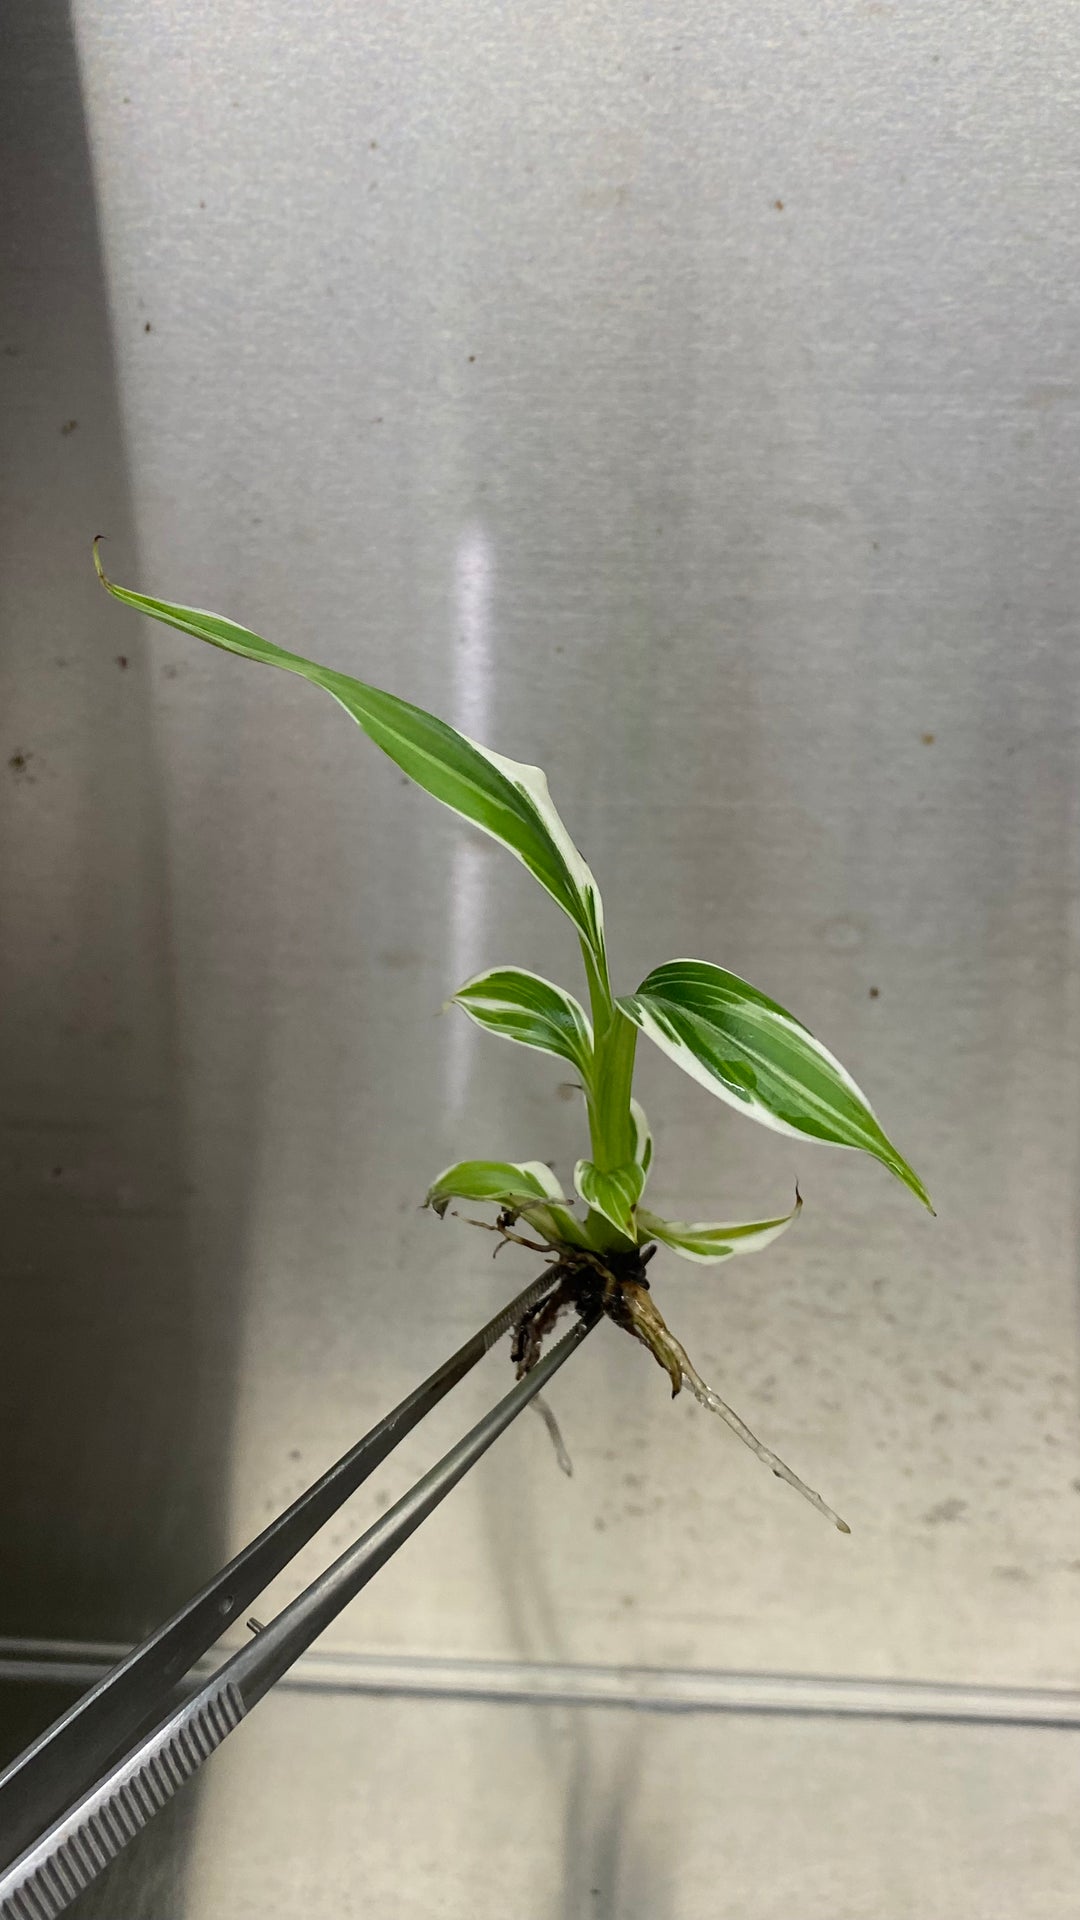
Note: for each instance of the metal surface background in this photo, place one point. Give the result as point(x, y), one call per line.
point(687, 401)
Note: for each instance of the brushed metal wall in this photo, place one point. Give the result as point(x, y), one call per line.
point(687, 401)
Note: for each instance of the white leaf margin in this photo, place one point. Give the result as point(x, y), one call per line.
point(485, 1013)
point(708, 1242)
point(615, 1193)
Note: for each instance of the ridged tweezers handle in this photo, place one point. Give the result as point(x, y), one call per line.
point(77, 1849)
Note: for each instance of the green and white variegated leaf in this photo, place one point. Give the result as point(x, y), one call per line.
point(525, 1007)
point(504, 798)
point(527, 1187)
point(613, 1194)
point(507, 1182)
point(706, 1241)
point(755, 1055)
point(642, 1137)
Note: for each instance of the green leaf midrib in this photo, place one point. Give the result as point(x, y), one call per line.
point(512, 803)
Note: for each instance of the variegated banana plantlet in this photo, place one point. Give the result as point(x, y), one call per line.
point(736, 1042)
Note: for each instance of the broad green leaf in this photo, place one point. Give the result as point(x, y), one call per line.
point(614, 1194)
point(759, 1058)
point(527, 1187)
point(504, 798)
point(642, 1137)
point(706, 1241)
point(534, 1011)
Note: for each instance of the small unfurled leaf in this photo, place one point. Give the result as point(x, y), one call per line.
point(642, 1137)
point(504, 798)
point(707, 1241)
point(755, 1055)
point(506, 1182)
point(527, 1187)
point(614, 1194)
point(534, 1011)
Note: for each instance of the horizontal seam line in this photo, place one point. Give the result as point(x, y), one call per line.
point(659, 1689)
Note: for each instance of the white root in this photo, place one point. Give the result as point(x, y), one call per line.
point(566, 1465)
point(707, 1398)
point(641, 1316)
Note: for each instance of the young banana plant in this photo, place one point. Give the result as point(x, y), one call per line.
point(736, 1042)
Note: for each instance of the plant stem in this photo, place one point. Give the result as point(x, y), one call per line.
point(611, 1130)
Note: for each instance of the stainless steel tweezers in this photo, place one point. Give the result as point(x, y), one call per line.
point(74, 1799)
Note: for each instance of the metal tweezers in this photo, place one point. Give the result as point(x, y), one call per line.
point(74, 1799)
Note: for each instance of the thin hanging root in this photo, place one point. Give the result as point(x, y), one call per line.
point(644, 1319)
point(708, 1398)
point(565, 1463)
point(488, 1226)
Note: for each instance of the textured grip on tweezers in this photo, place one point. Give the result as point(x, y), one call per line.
point(66, 1860)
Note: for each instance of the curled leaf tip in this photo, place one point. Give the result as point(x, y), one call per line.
point(99, 569)
point(842, 1526)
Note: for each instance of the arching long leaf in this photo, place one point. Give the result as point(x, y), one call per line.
point(755, 1055)
point(504, 798)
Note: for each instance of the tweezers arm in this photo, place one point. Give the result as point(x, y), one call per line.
point(75, 1750)
point(77, 1848)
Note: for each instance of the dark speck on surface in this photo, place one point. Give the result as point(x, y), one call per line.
point(147, 328)
point(875, 993)
point(121, 661)
point(928, 739)
point(19, 762)
point(69, 426)
point(946, 1510)
point(778, 205)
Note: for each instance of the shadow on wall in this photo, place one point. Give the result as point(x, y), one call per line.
point(118, 1351)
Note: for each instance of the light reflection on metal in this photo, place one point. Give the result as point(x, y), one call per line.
point(474, 569)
